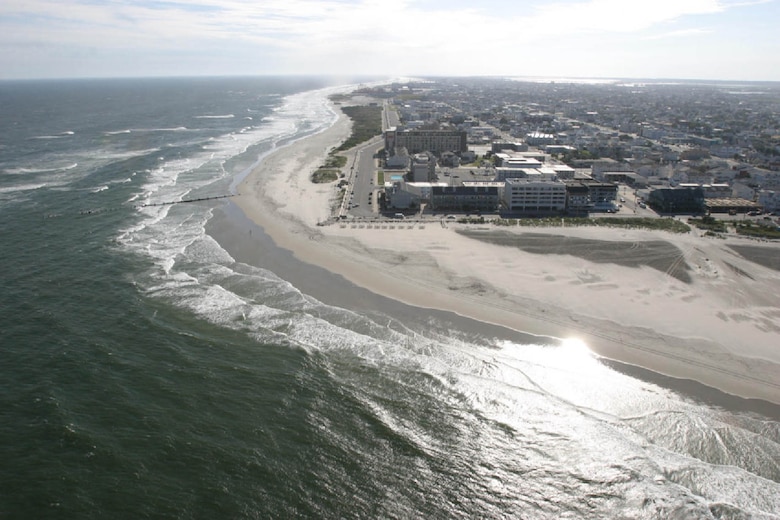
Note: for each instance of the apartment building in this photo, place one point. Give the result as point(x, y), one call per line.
point(435, 141)
point(534, 196)
point(465, 198)
point(423, 168)
point(584, 195)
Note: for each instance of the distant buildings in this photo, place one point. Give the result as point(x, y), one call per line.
point(684, 149)
point(539, 139)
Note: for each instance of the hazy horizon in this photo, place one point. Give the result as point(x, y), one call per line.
point(357, 78)
point(705, 40)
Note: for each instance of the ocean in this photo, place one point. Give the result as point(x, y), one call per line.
point(160, 361)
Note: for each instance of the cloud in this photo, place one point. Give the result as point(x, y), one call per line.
point(301, 23)
point(694, 31)
point(618, 16)
point(321, 35)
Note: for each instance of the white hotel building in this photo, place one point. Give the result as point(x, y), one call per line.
point(531, 196)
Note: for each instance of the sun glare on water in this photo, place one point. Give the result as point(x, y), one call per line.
point(576, 346)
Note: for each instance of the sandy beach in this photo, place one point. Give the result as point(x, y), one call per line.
point(686, 306)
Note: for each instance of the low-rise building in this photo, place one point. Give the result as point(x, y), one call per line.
point(468, 156)
point(423, 168)
point(577, 198)
point(503, 173)
point(601, 193)
point(590, 195)
point(732, 205)
point(561, 171)
point(539, 138)
point(474, 197)
point(450, 159)
point(398, 159)
point(680, 199)
point(769, 200)
point(399, 197)
point(405, 195)
point(500, 146)
point(559, 148)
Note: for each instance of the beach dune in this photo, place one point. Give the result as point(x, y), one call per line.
point(686, 306)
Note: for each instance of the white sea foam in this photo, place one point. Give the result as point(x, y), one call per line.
point(146, 130)
point(61, 171)
point(61, 135)
point(48, 169)
point(225, 116)
point(171, 129)
point(174, 235)
point(22, 187)
point(110, 156)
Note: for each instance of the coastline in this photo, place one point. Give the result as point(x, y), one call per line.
point(721, 329)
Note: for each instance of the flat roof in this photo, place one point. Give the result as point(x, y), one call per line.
point(496, 184)
point(729, 202)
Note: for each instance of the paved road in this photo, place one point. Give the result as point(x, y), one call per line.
point(362, 179)
point(362, 173)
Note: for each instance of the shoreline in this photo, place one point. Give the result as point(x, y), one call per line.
point(614, 309)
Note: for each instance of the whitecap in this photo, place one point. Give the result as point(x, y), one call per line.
point(173, 129)
point(22, 171)
point(22, 187)
point(67, 133)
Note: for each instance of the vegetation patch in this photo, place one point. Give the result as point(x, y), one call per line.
point(324, 175)
point(758, 230)
point(330, 171)
point(660, 224)
point(335, 161)
point(709, 224)
point(366, 123)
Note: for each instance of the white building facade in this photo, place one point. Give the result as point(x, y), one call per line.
point(526, 195)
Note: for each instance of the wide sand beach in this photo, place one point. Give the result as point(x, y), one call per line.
point(686, 306)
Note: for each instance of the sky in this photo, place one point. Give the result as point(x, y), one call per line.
point(671, 39)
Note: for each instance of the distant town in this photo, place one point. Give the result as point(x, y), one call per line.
point(531, 149)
